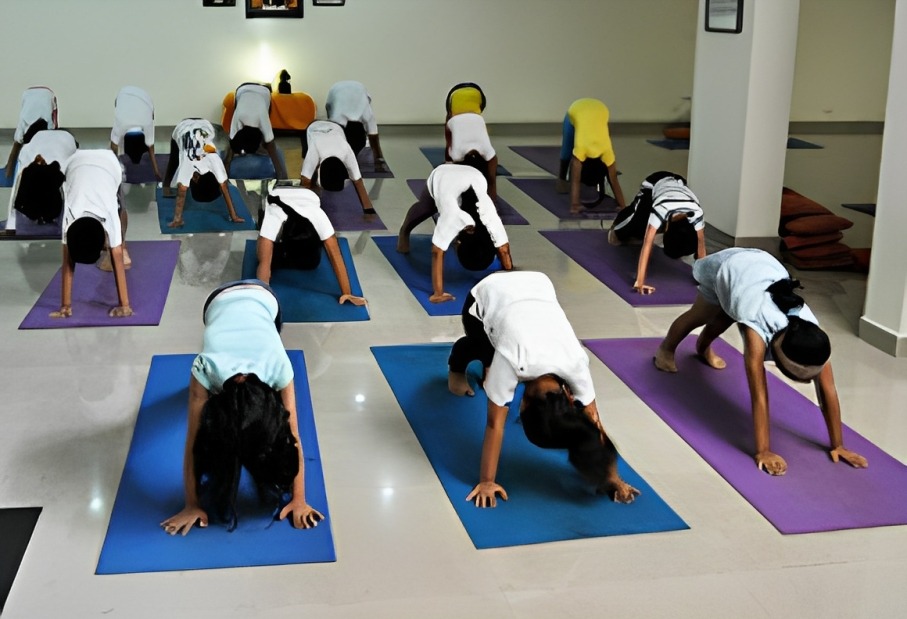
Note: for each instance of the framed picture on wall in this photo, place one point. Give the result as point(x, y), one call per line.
point(328, 2)
point(724, 16)
point(274, 8)
point(218, 2)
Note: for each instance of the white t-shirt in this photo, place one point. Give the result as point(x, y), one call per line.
point(349, 101)
point(133, 111)
point(37, 102)
point(670, 197)
point(468, 133)
point(446, 185)
point(253, 102)
point(303, 201)
point(326, 139)
point(52, 145)
point(92, 183)
point(737, 280)
point(191, 135)
point(530, 334)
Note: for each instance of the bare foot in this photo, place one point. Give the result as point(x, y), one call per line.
point(561, 186)
point(612, 238)
point(458, 384)
point(619, 491)
point(664, 360)
point(711, 359)
point(402, 245)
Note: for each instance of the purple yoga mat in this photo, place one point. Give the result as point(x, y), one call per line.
point(615, 267)
point(28, 230)
point(142, 173)
point(94, 291)
point(345, 211)
point(366, 161)
point(710, 410)
point(509, 216)
point(558, 204)
point(546, 157)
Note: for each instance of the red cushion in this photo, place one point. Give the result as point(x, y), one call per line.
point(677, 133)
point(796, 242)
point(817, 224)
point(843, 263)
point(861, 257)
point(826, 250)
point(795, 205)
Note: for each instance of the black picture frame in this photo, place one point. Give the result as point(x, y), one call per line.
point(328, 2)
point(274, 8)
point(724, 16)
point(218, 2)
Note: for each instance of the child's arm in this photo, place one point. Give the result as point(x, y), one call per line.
point(504, 257)
point(332, 247)
point(279, 168)
point(303, 515)
point(119, 274)
point(192, 513)
point(643, 265)
point(437, 277)
point(66, 293)
point(700, 244)
point(486, 491)
point(264, 249)
point(831, 411)
point(225, 191)
point(364, 200)
point(754, 362)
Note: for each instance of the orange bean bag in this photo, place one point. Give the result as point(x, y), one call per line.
point(289, 112)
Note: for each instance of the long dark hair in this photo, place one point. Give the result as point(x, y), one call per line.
point(245, 425)
point(553, 422)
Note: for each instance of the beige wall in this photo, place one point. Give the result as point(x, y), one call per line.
point(531, 56)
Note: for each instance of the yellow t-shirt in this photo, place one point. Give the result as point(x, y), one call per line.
point(465, 100)
point(590, 121)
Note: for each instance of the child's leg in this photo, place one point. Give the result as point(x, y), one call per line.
point(418, 212)
point(475, 345)
point(702, 312)
point(172, 164)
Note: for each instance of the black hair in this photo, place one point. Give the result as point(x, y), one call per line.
point(35, 127)
point(592, 173)
point(783, 295)
point(299, 246)
point(680, 238)
point(331, 174)
point(134, 146)
point(246, 141)
point(39, 196)
point(205, 188)
point(474, 160)
point(804, 343)
point(553, 422)
point(284, 86)
point(85, 240)
point(355, 135)
point(245, 425)
point(654, 177)
point(475, 249)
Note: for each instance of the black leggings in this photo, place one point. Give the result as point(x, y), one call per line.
point(475, 345)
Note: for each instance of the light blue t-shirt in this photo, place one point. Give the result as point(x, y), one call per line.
point(240, 338)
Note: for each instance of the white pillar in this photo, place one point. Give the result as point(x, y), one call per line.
point(742, 88)
point(884, 322)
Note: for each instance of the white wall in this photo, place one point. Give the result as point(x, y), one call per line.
point(532, 56)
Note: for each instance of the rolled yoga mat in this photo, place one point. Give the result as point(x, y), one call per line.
point(414, 269)
point(509, 216)
point(142, 173)
point(615, 267)
point(151, 490)
point(435, 156)
point(311, 296)
point(542, 190)
point(710, 410)
point(345, 212)
point(17, 524)
point(203, 216)
point(94, 291)
point(548, 500)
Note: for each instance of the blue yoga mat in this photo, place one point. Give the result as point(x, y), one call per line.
point(6, 182)
point(549, 501)
point(254, 167)
point(435, 156)
point(203, 216)
point(311, 296)
point(680, 144)
point(414, 269)
point(509, 215)
point(868, 208)
point(17, 524)
point(151, 490)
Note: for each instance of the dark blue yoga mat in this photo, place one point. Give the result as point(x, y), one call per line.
point(546, 157)
point(681, 144)
point(255, 166)
point(6, 182)
point(509, 215)
point(869, 208)
point(615, 267)
point(311, 296)
point(414, 269)
point(710, 410)
point(435, 156)
point(17, 524)
point(142, 173)
point(549, 501)
point(542, 190)
point(28, 230)
point(203, 216)
point(94, 291)
point(151, 490)
point(366, 161)
point(345, 211)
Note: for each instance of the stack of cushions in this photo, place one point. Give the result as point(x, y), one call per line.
point(811, 234)
point(289, 112)
point(677, 132)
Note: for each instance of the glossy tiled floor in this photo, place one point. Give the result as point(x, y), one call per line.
point(70, 398)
